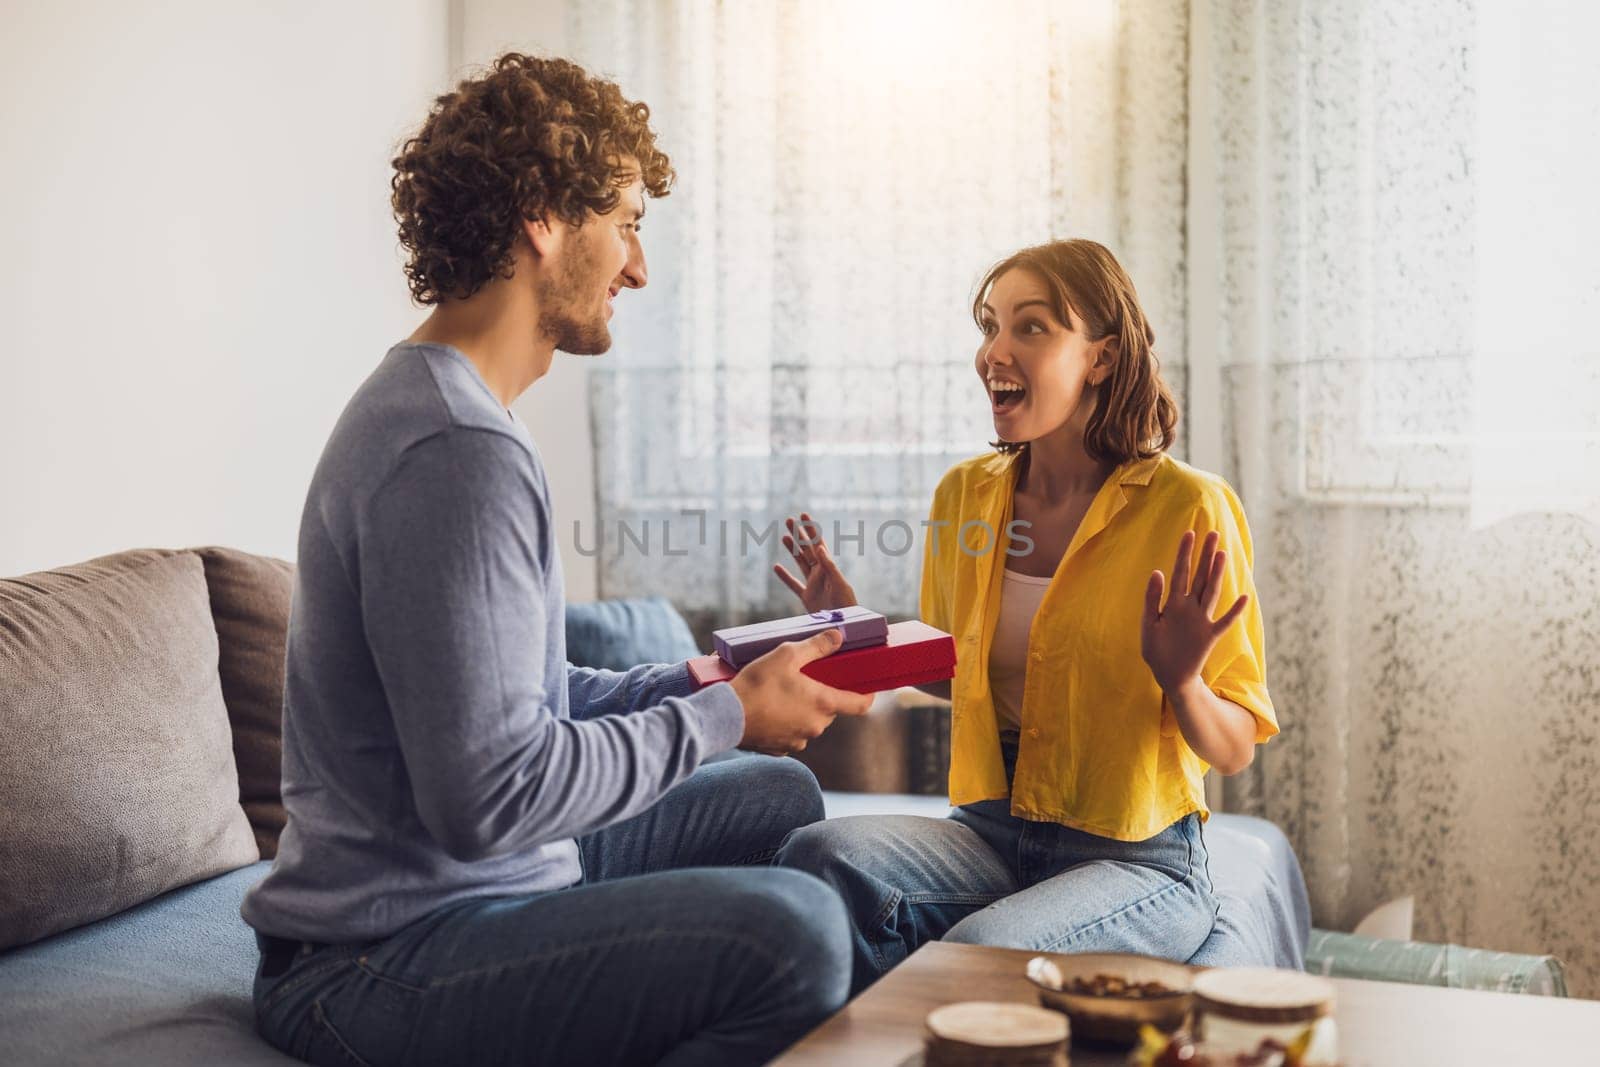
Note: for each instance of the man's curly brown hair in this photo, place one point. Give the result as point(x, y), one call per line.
point(530, 138)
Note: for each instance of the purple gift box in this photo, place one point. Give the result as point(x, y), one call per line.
point(738, 645)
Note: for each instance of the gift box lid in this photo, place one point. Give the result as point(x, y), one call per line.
point(740, 645)
point(913, 653)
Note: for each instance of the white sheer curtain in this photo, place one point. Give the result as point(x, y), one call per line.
point(847, 172)
point(1361, 269)
point(1377, 283)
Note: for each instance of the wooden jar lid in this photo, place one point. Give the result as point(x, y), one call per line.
point(1263, 995)
point(980, 1024)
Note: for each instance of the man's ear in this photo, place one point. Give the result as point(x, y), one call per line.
point(1105, 359)
point(543, 237)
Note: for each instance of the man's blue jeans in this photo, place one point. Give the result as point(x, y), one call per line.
point(647, 961)
point(986, 877)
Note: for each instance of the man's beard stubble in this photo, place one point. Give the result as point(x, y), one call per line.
point(560, 318)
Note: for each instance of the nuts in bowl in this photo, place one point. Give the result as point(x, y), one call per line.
point(1108, 996)
point(1109, 985)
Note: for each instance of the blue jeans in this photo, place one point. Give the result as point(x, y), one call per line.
point(984, 876)
point(646, 961)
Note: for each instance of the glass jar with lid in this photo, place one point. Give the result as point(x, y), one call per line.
point(1236, 1008)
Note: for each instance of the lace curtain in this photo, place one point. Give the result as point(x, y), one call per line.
point(1364, 252)
point(1428, 584)
point(847, 173)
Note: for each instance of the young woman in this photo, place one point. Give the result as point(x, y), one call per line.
point(1091, 692)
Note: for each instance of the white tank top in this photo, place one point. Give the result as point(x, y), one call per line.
point(1020, 595)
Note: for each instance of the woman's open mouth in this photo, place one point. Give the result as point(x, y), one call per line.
point(1005, 396)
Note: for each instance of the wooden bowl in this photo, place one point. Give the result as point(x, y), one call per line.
point(1113, 1020)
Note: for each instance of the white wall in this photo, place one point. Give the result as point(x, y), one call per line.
point(199, 263)
point(556, 409)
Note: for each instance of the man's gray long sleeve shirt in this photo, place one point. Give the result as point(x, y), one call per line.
point(436, 744)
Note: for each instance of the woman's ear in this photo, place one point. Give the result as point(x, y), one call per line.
point(1105, 359)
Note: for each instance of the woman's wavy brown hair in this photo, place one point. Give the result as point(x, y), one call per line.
point(1136, 417)
point(529, 138)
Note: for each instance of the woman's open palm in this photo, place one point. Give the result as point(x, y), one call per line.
point(823, 586)
point(1176, 640)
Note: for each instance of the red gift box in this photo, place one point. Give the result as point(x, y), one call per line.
point(915, 654)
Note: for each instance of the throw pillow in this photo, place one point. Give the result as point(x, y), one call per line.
point(250, 606)
point(117, 779)
point(619, 634)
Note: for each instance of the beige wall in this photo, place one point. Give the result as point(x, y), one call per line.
point(201, 265)
point(199, 261)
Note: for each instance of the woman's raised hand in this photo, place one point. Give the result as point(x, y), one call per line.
point(823, 586)
point(1176, 641)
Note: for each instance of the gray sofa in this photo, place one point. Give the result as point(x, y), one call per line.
point(128, 841)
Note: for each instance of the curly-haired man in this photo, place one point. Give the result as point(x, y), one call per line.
point(492, 856)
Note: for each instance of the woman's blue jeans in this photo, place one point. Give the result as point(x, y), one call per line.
point(986, 877)
point(680, 947)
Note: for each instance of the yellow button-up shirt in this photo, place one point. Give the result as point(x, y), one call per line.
point(1100, 749)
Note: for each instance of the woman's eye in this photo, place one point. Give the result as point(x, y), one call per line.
point(1031, 327)
point(987, 328)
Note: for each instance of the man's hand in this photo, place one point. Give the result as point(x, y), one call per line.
point(783, 709)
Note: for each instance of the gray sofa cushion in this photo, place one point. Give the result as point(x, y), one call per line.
point(166, 983)
point(1263, 910)
point(116, 760)
point(250, 605)
point(618, 634)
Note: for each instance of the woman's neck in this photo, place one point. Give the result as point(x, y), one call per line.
point(1058, 466)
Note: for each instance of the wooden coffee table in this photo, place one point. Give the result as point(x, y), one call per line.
point(1381, 1024)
